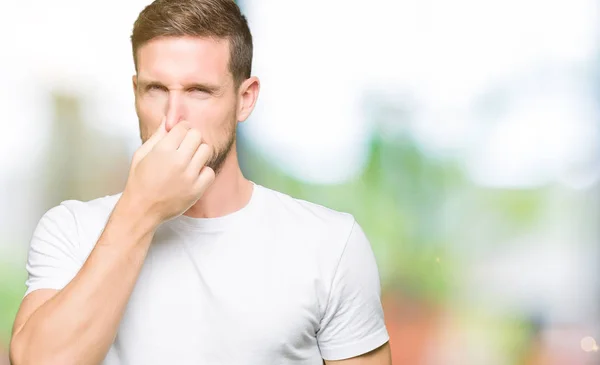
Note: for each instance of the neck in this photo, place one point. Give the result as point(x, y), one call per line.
point(230, 191)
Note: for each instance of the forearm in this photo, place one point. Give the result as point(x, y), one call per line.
point(79, 323)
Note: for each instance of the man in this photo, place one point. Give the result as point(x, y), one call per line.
point(192, 263)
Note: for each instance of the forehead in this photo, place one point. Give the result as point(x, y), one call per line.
point(172, 59)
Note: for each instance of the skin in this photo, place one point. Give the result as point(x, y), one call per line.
point(188, 79)
point(188, 106)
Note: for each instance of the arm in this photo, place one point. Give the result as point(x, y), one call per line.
point(379, 356)
point(78, 323)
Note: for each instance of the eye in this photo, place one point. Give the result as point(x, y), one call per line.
point(197, 90)
point(155, 87)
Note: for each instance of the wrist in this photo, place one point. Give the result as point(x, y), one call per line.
point(136, 211)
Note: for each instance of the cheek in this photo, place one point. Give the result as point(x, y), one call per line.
point(213, 116)
point(149, 116)
point(151, 107)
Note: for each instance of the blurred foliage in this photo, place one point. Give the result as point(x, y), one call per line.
point(12, 288)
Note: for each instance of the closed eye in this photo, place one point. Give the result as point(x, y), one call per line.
point(199, 90)
point(203, 89)
point(155, 87)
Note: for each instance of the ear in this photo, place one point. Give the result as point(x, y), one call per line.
point(134, 81)
point(248, 95)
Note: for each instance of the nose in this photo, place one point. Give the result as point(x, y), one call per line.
point(175, 110)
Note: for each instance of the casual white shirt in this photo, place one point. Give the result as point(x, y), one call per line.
point(281, 281)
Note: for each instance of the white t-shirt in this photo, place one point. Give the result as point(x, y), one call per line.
point(281, 281)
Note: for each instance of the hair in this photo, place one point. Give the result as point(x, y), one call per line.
point(219, 19)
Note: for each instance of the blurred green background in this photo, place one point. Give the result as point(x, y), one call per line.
point(462, 135)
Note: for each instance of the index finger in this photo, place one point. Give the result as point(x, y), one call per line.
point(158, 134)
point(175, 136)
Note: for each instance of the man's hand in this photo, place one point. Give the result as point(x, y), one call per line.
point(167, 174)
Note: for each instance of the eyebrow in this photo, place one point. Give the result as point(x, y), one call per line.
point(209, 88)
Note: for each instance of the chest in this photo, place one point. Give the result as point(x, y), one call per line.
point(222, 302)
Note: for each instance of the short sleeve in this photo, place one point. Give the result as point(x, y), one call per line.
point(353, 322)
point(53, 259)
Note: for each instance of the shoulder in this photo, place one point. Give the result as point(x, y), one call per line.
point(306, 216)
point(77, 222)
point(327, 246)
point(90, 208)
point(314, 232)
point(80, 212)
point(91, 216)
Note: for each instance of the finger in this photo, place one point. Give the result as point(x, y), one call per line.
point(202, 155)
point(173, 139)
point(190, 143)
point(205, 179)
point(158, 134)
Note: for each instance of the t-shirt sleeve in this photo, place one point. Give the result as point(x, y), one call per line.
point(52, 259)
point(353, 322)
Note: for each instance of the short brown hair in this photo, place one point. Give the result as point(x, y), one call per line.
point(220, 19)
